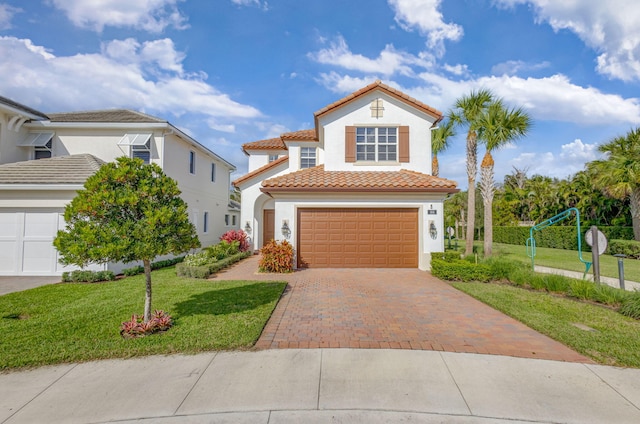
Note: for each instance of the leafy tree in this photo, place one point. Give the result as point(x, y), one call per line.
point(127, 211)
point(499, 126)
point(467, 112)
point(619, 174)
point(440, 138)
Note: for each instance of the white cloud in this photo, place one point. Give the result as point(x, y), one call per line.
point(6, 14)
point(572, 158)
point(261, 4)
point(514, 67)
point(553, 98)
point(389, 62)
point(426, 17)
point(149, 15)
point(609, 27)
point(458, 69)
point(126, 74)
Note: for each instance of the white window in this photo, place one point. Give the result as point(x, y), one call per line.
point(272, 158)
point(377, 108)
point(42, 152)
point(41, 142)
point(192, 162)
point(226, 220)
point(139, 146)
point(376, 144)
point(213, 172)
point(205, 223)
point(307, 157)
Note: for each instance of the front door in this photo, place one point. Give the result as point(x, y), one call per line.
point(268, 225)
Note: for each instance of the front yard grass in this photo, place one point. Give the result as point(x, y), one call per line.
point(615, 341)
point(81, 322)
point(568, 259)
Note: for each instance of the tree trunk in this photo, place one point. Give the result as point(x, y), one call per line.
point(634, 203)
point(435, 166)
point(147, 299)
point(472, 169)
point(487, 188)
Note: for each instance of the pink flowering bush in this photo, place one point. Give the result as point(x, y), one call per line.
point(136, 327)
point(239, 236)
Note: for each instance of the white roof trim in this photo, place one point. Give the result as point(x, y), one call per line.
point(134, 140)
point(37, 139)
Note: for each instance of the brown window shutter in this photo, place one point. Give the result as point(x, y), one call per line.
point(350, 144)
point(403, 144)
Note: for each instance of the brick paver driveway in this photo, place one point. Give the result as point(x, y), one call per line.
point(391, 308)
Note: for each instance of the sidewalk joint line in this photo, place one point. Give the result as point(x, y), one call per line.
point(320, 379)
point(40, 393)
point(215, 354)
point(610, 386)
point(456, 383)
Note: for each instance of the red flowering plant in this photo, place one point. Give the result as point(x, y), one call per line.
point(239, 236)
point(137, 327)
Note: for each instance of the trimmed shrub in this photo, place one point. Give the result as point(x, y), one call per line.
point(239, 236)
point(86, 276)
point(139, 269)
point(447, 256)
point(630, 248)
point(557, 237)
point(130, 272)
point(276, 257)
point(223, 249)
point(197, 259)
point(204, 271)
point(460, 271)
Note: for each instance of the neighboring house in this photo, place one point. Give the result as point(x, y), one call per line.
point(356, 190)
point(69, 147)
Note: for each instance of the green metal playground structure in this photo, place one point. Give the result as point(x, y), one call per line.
point(531, 241)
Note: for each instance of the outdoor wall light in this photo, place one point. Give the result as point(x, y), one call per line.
point(247, 228)
point(286, 231)
point(433, 231)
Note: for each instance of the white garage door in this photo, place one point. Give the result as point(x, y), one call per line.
point(26, 242)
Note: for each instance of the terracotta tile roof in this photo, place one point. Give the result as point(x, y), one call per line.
point(108, 115)
point(317, 179)
point(74, 169)
point(305, 135)
point(260, 170)
point(378, 85)
point(268, 144)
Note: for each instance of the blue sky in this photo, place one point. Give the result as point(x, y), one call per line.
point(233, 71)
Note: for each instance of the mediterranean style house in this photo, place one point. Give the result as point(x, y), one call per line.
point(46, 158)
point(354, 191)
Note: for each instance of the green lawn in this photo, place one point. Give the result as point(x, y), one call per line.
point(616, 340)
point(80, 322)
point(568, 259)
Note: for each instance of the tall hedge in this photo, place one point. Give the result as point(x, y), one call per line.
point(556, 237)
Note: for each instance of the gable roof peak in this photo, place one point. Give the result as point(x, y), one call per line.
point(379, 85)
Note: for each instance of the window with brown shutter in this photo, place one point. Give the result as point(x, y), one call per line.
point(403, 144)
point(350, 144)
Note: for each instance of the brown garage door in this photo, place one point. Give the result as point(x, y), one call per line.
point(358, 238)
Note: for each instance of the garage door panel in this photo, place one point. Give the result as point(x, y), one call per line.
point(8, 258)
point(38, 256)
point(358, 238)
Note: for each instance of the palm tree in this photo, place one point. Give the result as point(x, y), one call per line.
point(466, 112)
point(440, 137)
point(499, 126)
point(619, 174)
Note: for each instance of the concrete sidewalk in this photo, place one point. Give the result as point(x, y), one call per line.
point(322, 385)
point(613, 282)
